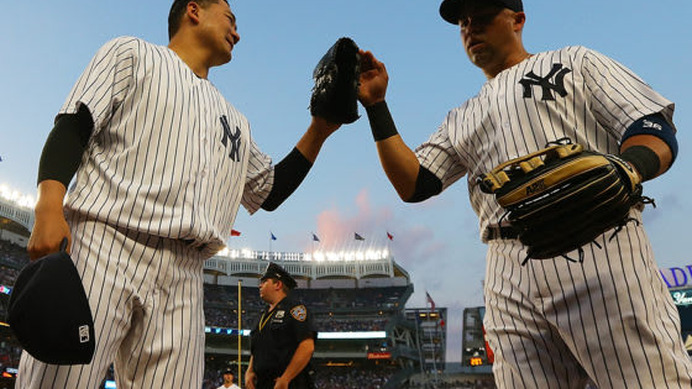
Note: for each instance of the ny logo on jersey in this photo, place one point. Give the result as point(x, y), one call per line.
point(547, 87)
point(233, 136)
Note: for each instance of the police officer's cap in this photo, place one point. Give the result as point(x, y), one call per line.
point(278, 273)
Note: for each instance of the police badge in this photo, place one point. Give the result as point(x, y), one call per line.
point(299, 312)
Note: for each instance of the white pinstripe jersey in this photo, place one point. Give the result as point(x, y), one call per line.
point(573, 92)
point(169, 156)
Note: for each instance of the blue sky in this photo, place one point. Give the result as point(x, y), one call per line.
point(47, 44)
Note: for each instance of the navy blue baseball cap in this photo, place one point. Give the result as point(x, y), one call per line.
point(49, 312)
point(450, 9)
point(278, 273)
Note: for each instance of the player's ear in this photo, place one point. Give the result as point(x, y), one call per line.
point(192, 12)
point(519, 18)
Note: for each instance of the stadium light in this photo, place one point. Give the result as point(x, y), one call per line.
point(316, 256)
point(347, 256)
point(16, 197)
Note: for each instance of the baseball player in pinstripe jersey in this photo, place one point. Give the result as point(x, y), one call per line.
point(551, 323)
point(161, 162)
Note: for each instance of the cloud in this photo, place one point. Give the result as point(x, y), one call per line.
point(418, 245)
point(413, 245)
point(336, 231)
point(427, 254)
point(668, 207)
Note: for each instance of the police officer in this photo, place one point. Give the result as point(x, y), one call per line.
point(283, 341)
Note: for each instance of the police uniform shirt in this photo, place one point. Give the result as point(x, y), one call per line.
point(275, 338)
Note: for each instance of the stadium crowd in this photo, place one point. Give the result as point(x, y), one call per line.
point(359, 298)
point(10, 351)
point(12, 258)
point(454, 384)
point(221, 307)
point(351, 378)
point(228, 318)
point(324, 377)
point(13, 254)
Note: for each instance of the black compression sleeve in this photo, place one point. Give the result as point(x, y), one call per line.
point(65, 145)
point(427, 185)
point(288, 174)
point(643, 159)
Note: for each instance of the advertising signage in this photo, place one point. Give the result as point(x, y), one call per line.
point(677, 277)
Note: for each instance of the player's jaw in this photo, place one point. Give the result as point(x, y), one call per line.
point(473, 44)
point(477, 43)
point(232, 37)
point(478, 49)
point(224, 46)
point(490, 41)
point(221, 33)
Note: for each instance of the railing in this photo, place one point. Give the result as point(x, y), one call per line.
point(303, 269)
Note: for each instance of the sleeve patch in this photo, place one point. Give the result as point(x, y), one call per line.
point(299, 312)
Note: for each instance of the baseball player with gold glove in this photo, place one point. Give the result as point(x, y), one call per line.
point(604, 316)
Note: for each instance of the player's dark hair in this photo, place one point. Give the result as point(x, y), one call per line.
point(178, 10)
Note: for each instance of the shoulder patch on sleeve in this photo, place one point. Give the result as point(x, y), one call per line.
point(299, 312)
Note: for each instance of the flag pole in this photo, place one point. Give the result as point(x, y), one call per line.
point(315, 242)
point(421, 361)
point(240, 326)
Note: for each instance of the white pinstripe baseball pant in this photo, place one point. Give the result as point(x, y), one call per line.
point(554, 323)
point(146, 296)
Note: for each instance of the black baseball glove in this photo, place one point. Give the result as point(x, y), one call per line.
point(335, 94)
point(563, 197)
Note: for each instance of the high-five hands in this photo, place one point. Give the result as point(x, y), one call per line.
point(373, 79)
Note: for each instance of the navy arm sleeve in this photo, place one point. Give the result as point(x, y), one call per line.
point(644, 159)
